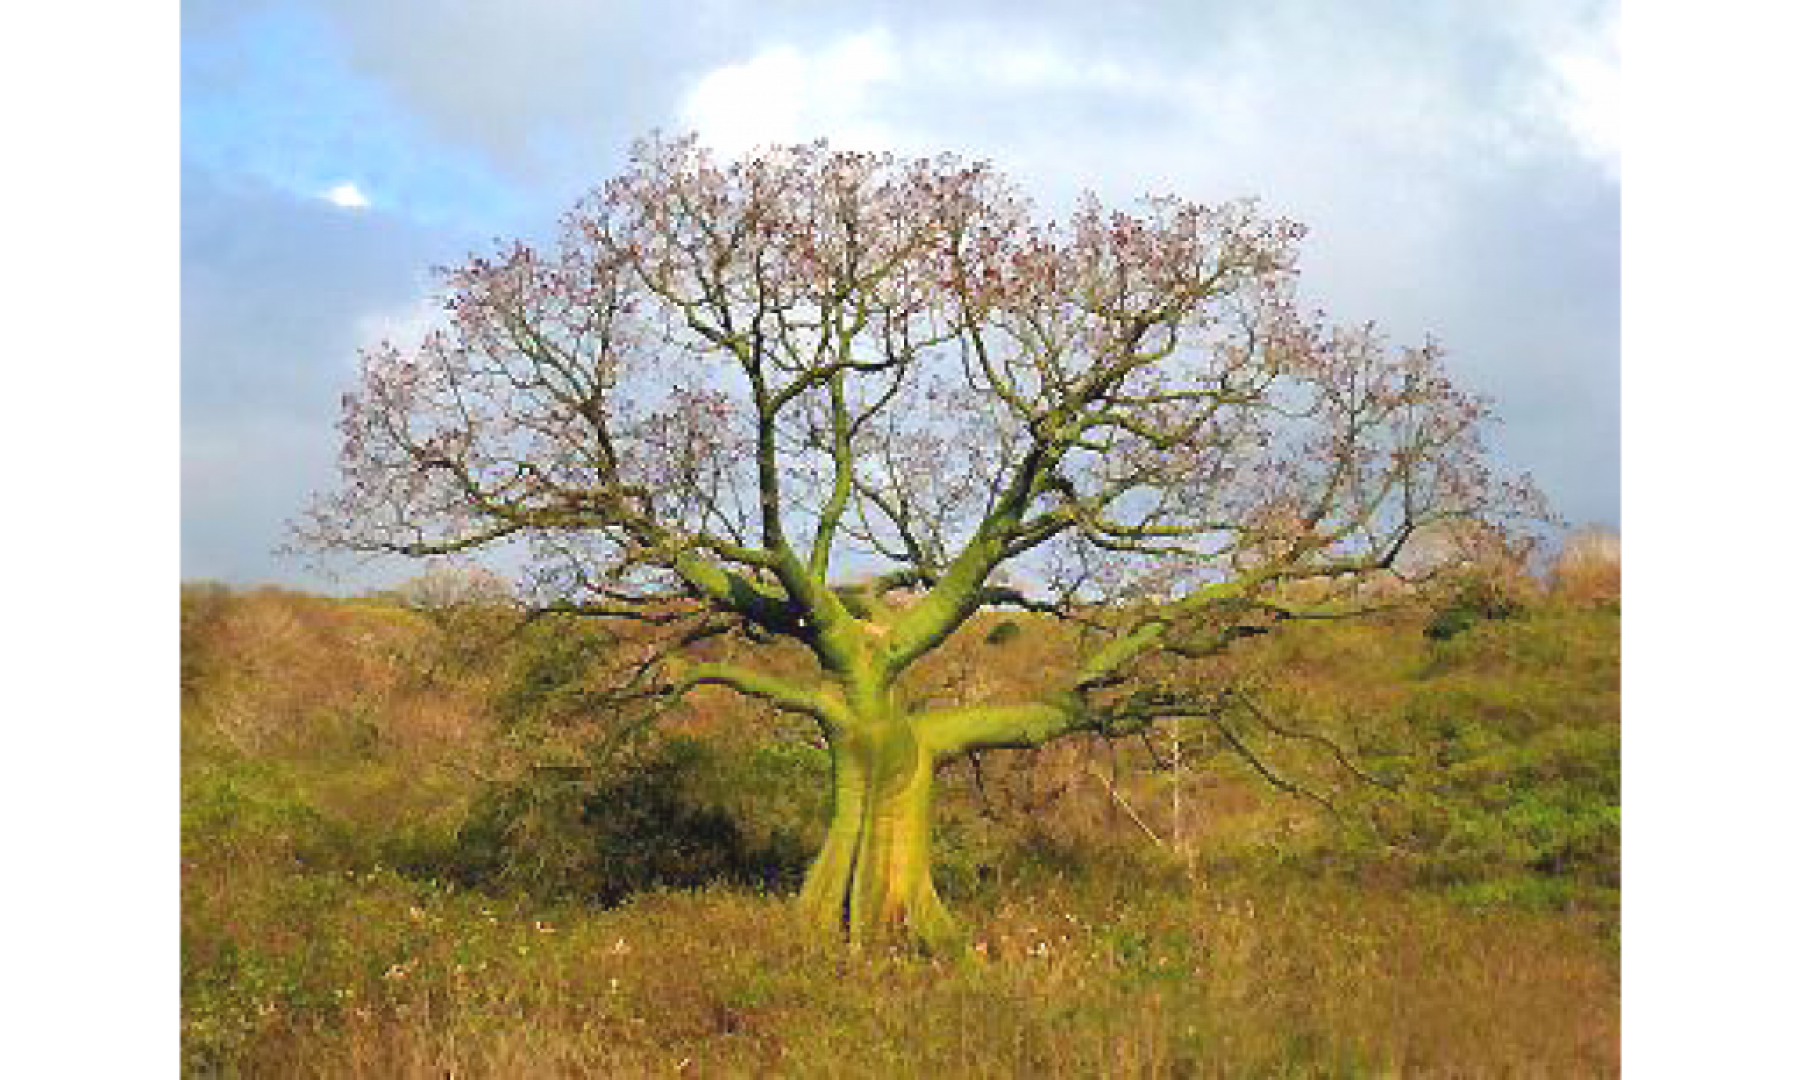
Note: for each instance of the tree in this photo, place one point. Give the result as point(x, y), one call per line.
point(728, 390)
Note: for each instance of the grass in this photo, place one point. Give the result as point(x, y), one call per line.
point(376, 975)
point(339, 920)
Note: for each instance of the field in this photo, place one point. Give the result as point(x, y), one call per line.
point(382, 878)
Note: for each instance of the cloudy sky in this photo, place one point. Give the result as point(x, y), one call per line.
point(1457, 165)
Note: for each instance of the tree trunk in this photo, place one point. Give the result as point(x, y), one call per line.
point(872, 880)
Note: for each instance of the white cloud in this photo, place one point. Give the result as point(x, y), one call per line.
point(782, 95)
point(1570, 96)
point(348, 196)
point(404, 326)
point(1588, 95)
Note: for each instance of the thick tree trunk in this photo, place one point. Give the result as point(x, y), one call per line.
point(872, 880)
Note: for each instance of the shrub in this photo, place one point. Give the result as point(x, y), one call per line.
point(253, 810)
point(1002, 633)
point(547, 673)
point(1511, 779)
point(203, 609)
point(471, 609)
point(1470, 599)
point(642, 823)
point(1587, 570)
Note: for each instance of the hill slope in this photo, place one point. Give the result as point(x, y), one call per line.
point(378, 882)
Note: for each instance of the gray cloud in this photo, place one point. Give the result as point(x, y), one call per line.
point(1453, 172)
point(1447, 192)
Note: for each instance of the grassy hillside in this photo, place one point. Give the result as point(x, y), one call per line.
point(400, 859)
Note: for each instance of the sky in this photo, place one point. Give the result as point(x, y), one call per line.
point(1457, 165)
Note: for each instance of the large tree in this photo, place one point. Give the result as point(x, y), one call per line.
point(825, 398)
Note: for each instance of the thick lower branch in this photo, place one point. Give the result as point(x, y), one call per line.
point(777, 691)
point(951, 733)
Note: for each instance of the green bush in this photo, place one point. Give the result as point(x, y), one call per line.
point(1471, 600)
point(1002, 633)
point(1502, 745)
point(547, 673)
point(256, 809)
point(1511, 779)
point(641, 823)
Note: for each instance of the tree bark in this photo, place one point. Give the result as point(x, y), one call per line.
point(872, 879)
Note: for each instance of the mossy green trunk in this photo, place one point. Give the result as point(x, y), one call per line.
point(872, 879)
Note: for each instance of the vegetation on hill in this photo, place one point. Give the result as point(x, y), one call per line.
point(412, 845)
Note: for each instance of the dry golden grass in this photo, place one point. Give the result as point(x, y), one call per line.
point(1587, 570)
point(1069, 978)
point(319, 732)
